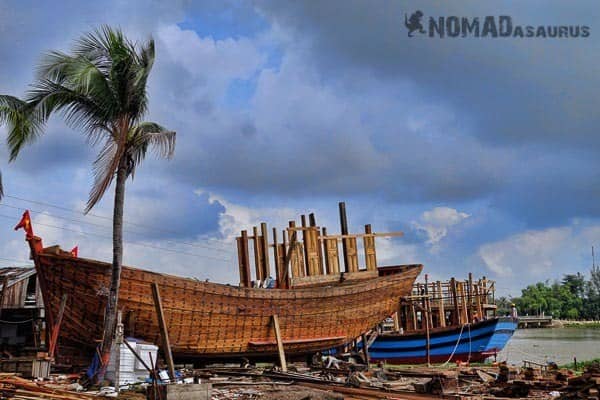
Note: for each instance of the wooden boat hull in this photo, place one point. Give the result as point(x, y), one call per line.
point(474, 342)
point(212, 320)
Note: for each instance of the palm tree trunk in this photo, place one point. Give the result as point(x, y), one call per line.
point(110, 316)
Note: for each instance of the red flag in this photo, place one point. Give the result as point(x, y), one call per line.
point(25, 223)
point(74, 251)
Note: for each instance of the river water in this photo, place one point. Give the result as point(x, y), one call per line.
point(552, 344)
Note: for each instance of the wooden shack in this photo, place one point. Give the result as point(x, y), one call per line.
point(22, 326)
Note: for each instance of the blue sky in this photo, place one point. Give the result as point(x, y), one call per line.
point(483, 151)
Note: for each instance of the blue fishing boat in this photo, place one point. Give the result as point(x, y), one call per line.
point(472, 342)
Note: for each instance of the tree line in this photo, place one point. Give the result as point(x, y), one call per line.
point(573, 297)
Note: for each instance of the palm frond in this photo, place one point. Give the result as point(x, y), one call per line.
point(104, 169)
point(23, 125)
point(149, 135)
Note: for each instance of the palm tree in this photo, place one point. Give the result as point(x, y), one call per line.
point(100, 89)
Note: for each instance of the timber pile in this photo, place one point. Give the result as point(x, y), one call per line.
point(15, 387)
point(586, 386)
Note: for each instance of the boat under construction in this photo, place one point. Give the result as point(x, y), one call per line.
point(314, 302)
point(445, 322)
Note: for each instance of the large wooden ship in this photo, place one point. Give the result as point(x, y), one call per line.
point(318, 305)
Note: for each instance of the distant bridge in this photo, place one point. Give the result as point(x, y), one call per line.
point(535, 321)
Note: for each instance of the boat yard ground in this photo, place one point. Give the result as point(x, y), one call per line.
point(349, 381)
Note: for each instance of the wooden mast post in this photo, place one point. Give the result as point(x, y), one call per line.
point(282, 362)
point(278, 271)
point(244, 260)
point(164, 333)
point(344, 230)
point(264, 241)
point(258, 257)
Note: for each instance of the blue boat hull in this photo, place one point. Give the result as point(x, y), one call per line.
point(473, 342)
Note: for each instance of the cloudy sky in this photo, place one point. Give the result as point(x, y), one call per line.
point(483, 151)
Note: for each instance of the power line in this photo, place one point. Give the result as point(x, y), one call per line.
point(12, 260)
point(108, 227)
point(130, 243)
point(173, 232)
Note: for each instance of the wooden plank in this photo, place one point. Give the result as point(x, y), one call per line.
point(312, 222)
point(441, 308)
point(455, 314)
point(370, 253)
point(352, 255)
point(56, 327)
point(284, 277)
point(359, 235)
point(243, 259)
point(294, 255)
point(332, 257)
point(3, 293)
point(164, 333)
point(312, 244)
point(282, 362)
point(264, 241)
point(278, 271)
point(427, 338)
point(258, 259)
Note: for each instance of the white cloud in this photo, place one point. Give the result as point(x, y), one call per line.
point(436, 222)
point(213, 63)
point(537, 253)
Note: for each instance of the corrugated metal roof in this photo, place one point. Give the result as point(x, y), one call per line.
point(15, 274)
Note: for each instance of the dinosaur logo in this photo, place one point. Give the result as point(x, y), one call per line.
point(414, 23)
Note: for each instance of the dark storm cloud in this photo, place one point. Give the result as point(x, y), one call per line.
point(516, 89)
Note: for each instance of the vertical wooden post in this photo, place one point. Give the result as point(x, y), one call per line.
point(480, 300)
point(370, 253)
point(463, 303)
point(257, 257)
point(470, 298)
point(312, 222)
point(164, 333)
point(441, 309)
point(332, 258)
point(56, 326)
point(278, 271)
point(244, 259)
point(365, 348)
point(455, 314)
point(284, 264)
point(344, 230)
point(4, 289)
point(428, 342)
point(296, 253)
point(282, 362)
point(305, 245)
point(395, 317)
point(265, 250)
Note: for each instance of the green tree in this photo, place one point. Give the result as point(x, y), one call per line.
point(100, 89)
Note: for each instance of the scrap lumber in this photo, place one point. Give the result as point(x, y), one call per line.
point(282, 362)
point(164, 333)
